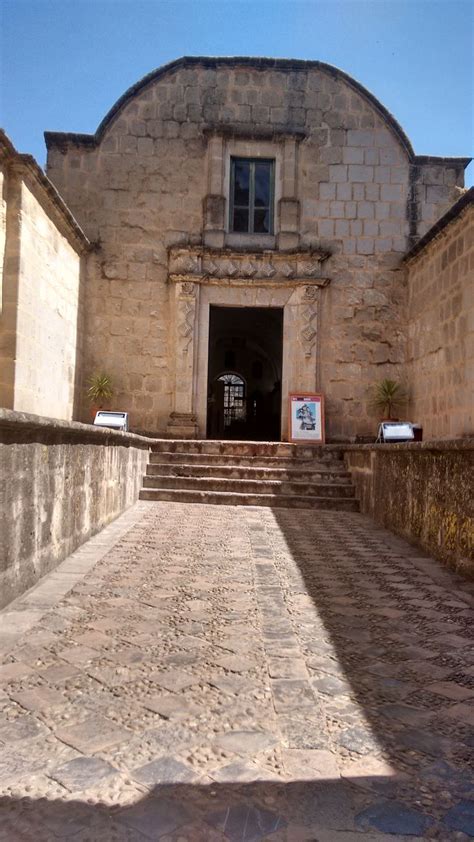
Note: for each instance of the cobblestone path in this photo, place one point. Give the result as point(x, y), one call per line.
point(242, 674)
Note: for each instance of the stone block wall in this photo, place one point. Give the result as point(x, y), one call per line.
point(156, 176)
point(440, 358)
point(423, 492)
point(41, 312)
point(3, 225)
point(60, 483)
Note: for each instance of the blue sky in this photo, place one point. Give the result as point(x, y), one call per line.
point(65, 62)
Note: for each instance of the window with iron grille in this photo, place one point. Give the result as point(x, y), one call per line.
point(251, 195)
point(234, 398)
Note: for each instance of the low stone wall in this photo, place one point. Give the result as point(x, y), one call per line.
point(60, 483)
point(422, 491)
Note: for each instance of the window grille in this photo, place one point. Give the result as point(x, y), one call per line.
point(234, 398)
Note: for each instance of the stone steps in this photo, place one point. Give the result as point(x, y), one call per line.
point(226, 498)
point(244, 448)
point(249, 474)
point(233, 486)
point(322, 462)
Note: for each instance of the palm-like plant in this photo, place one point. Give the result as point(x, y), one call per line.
point(387, 397)
point(99, 388)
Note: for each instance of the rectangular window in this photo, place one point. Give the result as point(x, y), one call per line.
point(251, 195)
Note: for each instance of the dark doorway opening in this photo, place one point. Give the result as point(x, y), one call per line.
point(245, 371)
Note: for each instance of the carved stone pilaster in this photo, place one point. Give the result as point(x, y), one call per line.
point(309, 319)
point(186, 315)
point(182, 423)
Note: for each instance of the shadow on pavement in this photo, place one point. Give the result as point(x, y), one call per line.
point(321, 811)
point(391, 685)
point(391, 655)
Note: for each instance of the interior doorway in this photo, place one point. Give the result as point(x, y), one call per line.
point(245, 373)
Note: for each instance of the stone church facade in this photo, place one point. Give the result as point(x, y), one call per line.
point(248, 220)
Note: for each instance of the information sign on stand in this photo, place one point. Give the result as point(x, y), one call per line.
point(306, 418)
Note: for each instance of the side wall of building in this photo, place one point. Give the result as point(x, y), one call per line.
point(41, 318)
point(9, 288)
point(3, 226)
point(48, 317)
point(440, 359)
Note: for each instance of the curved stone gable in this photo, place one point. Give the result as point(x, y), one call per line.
point(304, 70)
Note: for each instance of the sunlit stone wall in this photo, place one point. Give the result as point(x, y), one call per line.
point(40, 315)
point(441, 330)
point(156, 176)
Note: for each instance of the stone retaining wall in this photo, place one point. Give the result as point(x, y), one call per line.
point(60, 483)
point(422, 491)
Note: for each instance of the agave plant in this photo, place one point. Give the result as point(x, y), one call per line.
point(387, 397)
point(99, 388)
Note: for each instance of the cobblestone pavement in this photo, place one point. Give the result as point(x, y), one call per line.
point(242, 674)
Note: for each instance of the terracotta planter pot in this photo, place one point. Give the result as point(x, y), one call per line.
point(95, 408)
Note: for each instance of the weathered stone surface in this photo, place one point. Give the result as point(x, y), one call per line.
point(330, 686)
point(171, 707)
point(165, 770)
point(461, 818)
point(234, 663)
point(246, 742)
point(94, 734)
point(438, 348)
point(435, 482)
point(362, 195)
point(287, 668)
point(155, 817)
point(239, 772)
point(82, 773)
point(361, 763)
point(172, 680)
point(13, 672)
point(290, 695)
point(38, 699)
point(40, 322)
point(246, 824)
point(390, 817)
point(52, 467)
point(304, 765)
point(303, 732)
point(358, 740)
point(21, 728)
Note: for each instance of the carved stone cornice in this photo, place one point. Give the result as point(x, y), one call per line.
point(197, 264)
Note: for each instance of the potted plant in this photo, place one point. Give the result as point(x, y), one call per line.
point(387, 397)
point(99, 391)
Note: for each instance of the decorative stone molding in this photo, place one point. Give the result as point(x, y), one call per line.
point(182, 425)
point(214, 266)
point(186, 314)
point(309, 319)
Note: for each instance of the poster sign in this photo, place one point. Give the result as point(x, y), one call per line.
point(306, 418)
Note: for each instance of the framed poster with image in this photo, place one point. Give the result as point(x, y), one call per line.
point(306, 417)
